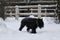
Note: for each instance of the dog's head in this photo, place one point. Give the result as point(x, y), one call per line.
point(40, 23)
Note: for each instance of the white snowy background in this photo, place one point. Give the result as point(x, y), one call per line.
point(9, 30)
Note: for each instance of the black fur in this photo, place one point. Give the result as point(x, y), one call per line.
point(2, 10)
point(31, 23)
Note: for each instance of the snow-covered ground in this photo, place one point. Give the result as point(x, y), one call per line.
point(9, 30)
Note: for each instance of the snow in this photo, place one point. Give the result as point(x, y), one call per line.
point(9, 30)
point(32, 16)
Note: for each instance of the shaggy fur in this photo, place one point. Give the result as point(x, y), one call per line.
point(31, 23)
point(2, 14)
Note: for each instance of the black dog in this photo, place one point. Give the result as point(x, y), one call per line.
point(31, 23)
